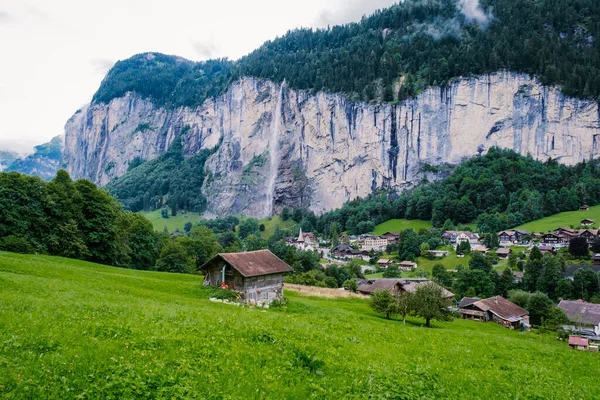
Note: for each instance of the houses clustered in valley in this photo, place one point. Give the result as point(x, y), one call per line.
point(258, 276)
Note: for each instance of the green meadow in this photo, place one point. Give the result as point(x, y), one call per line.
point(564, 219)
point(275, 222)
point(397, 225)
point(76, 330)
point(172, 223)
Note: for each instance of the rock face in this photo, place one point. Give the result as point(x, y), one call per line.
point(331, 149)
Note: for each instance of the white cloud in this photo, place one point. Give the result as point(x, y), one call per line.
point(206, 49)
point(5, 17)
point(474, 13)
point(59, 52)
point(349, 11)
point(102, 65)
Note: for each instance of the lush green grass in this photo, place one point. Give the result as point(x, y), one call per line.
point(71, 329)
point(172, 223)
point(449, 262)
point(565, 219)
point(274, 222)
point(397, 225)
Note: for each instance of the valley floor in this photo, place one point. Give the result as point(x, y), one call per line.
point(71, 329)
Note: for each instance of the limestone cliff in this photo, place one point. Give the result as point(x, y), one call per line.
point(282, 147)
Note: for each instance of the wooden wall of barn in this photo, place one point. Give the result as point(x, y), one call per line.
point(263, 288)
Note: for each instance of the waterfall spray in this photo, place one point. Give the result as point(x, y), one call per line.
point(274, 152)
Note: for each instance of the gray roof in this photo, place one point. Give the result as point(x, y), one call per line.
point(466, 301)
point(409, 285)
point(571, 269)
point(412, 286)
point(581, 312)
point(386, 284)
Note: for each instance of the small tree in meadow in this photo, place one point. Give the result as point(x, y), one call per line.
point(382, 302)
point(404, 304)
point(429, 303)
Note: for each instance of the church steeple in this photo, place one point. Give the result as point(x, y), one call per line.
point(301, 236)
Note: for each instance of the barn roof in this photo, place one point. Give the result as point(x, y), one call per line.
point(501, 307)
point(253, 263)
point(386, 284)
point(412, 286)
point(467, 301)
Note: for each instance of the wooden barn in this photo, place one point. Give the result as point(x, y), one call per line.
point(256, 275)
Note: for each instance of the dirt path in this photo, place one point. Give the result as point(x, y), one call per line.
point(322, 292)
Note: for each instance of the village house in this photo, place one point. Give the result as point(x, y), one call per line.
point(346, 251)
point(503, 253)
point(546, 249)
point(562, 236)
point(457, 237)
point(516, 236)
point(397, 285)
point(384, 262)
point(392, 237)
point(596, 258)
point(582, 316)
point(590, 235)
point(256, 275)
point(554, 239)
point(584, 207)
point(578, 343)
point(439, 253)
point(407, 266)
point(587, 222)
point(480, 248)
point(374, 243)
point(497, 309)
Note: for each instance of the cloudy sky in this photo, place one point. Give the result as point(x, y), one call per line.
point(55, 53)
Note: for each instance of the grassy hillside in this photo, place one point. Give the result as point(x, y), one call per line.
point(564, 219)
point(275, 222)
point(71, 329)
point(172, 223)
point(397, 225)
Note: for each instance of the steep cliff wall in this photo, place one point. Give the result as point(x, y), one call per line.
point(330, 149)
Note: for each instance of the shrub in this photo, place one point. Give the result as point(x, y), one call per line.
point(16, 244)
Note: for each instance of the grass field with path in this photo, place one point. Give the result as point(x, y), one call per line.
point(565, 219)
point(72, 329)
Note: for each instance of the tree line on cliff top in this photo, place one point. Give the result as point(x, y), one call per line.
point(426, 43)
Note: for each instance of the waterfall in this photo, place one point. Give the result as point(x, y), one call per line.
point(274, 152)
